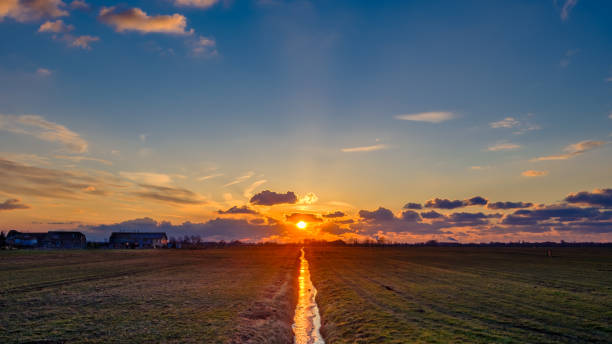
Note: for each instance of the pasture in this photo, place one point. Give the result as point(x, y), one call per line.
point(230, 295)
point(480, 294)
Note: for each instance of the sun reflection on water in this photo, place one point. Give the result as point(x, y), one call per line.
point(307, 321)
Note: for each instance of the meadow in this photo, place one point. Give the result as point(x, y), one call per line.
point(230, 295)
point(479, 294)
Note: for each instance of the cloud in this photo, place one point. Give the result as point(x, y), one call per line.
point(309, 198)
point(567, 57)
point(268, 197)
point(413, 206)
point(520, 126)
point(147, 178)
point(79, 158)
point(574, 150)
point(12, 204)
point(509, 205)
point(210, 176)
point(596, 198)
point(567, 7)
point(168, 194)
point(429, 117)
point(248, 192)
point(560, 218)
point(43, 72)
point(240, 179)
point(82, 42)
point(380, 214)
point(57, 26)
point(365, 148)
point(334, 215)
point(196, 3)
point(238, 210)
point(534, 173)
point(431, 215)
point(42, 129)
point(297, 217)
point(508, 122)
point(503, 146)
point(204, 46)
point(79, 5)
point(440, 203)
point(32, 10)
point(135, 19)
point(16, 178)
point(411, 216)
point(476, 200)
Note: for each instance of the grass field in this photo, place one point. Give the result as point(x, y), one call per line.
point(237, 295)
point(512, 295)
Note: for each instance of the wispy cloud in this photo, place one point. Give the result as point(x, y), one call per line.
point(135, 19)
point(365, 148)
point(574, 150)
point(148, 178)
point(567, 7)
point(567, 57)
point(57, 26)
point(248, 192)
point(210, 176)
point(204, 46)
point(241, 179)
point(520, 126)
point(196, 3)
point(78, 158)
point(534, 173)
point(44, 72)
point(429, 117)
point(42, 129)
point(501, 146)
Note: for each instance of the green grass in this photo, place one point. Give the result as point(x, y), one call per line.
point(100, 296)
point(507, 295)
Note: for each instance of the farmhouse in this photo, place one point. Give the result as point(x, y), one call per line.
point(54, 239)
point(138, 240)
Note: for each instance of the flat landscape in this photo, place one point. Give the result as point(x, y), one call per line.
point(238, 294)
point(436, 294)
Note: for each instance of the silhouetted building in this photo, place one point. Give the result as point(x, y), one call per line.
point(138, 240)
point(54, 239)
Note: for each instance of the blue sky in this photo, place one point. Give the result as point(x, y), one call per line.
point(306, 96)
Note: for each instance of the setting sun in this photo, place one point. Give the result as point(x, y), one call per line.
point(301, 225)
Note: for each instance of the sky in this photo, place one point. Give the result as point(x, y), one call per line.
point(406, 121)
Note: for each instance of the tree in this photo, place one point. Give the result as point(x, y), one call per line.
point(2, 239)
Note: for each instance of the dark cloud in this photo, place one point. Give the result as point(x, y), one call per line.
point(380, 214)
point(509, 205)
point(333, 228)
point(440, 203)
point(557, 217)
point(345, 222)
point(334, 215)
point(476, 200)
point(597, 198)
point(431, 215)
point(411, 216)
point(467, 219)
point(268, 197)
point(410, 205)
point(168, 194)
point(213, 230)
point(297, 217)
point(238, 210)
point(12, 204)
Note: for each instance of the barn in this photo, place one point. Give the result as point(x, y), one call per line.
point(54, 239)
point(138, 240)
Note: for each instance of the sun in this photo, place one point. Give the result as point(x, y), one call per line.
point(301, 225)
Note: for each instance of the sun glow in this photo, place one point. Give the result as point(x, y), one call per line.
point(301, 225)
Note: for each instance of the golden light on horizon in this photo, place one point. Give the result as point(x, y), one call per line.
point(301, 225)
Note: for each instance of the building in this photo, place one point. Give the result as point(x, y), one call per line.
point(54, 239)
point(138, 240)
